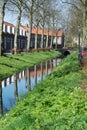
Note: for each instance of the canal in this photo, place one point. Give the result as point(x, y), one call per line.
point(15, 86)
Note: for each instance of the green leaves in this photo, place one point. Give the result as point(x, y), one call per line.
point(57, 103)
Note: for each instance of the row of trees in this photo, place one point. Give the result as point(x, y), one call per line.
point(39, 13)
point(45, 14)
point(77, 18)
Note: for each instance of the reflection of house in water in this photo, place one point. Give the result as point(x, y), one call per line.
point(41, 69)
point(23, 73)
point(39, 72)
point(16, 85)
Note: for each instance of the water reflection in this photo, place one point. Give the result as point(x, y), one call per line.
point(13, 87)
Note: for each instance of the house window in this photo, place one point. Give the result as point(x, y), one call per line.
point(8, 40)
point(19, 43)
point(11, 30)
point(12, 42)
point(25, 33)
point(23, 43)
point(18, 31)
point(22, 32)
point(6, 28)
point(5, 42)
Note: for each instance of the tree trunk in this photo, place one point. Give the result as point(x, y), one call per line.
point(47, 39)
point(37, 23)
point(47, 33)
point(42, 37)
point(41, 71)
point(35, 74)
point(17, 31)
point(36, 36)
point(51, 41)
point(30, 27)
point(46, 68)
point(29, 33)
point(56, 41)
point(15, 87)
point(52, 33)
point(52, 38)
point(28, 79)
point(85, 26)
point(2, 11)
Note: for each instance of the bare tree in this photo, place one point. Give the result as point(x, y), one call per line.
point(42, 17)
point(2, 13)
point(29, 10)
point(80, 5)
point(48, 17)
point(45, 19)
point(19, 6)
point(52, 16)
point(37, 20)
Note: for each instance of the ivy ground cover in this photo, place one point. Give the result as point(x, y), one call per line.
point(57, 103)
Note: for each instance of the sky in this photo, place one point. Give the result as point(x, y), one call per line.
point(12, 18)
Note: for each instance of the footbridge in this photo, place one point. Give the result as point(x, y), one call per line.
point(66, 51)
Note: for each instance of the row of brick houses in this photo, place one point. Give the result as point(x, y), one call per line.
point(9, 31)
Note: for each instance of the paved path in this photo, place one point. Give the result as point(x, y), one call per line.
point(84, 67)
point(84, 79)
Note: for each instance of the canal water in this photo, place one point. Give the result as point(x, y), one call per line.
point(15, 86)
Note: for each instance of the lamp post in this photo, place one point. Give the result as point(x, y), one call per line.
point(65, 37)
point(79, 48)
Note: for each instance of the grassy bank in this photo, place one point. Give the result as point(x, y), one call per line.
point(14, 63)
point(58, 103)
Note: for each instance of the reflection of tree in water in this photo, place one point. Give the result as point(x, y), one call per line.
point(11, 104)
point(38, 75)
point(31, 79)
point(5, 109)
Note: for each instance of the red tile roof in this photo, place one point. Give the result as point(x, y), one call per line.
point(26, 28)
point(9, 24)
point(39, 72)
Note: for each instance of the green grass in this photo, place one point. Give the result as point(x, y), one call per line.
point(15, 63)
point(57, 103)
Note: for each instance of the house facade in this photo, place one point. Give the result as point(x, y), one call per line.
point(9, 31)
point(8, 37)
point(58, 39)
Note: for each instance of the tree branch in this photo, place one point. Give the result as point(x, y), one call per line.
point(66, 2)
